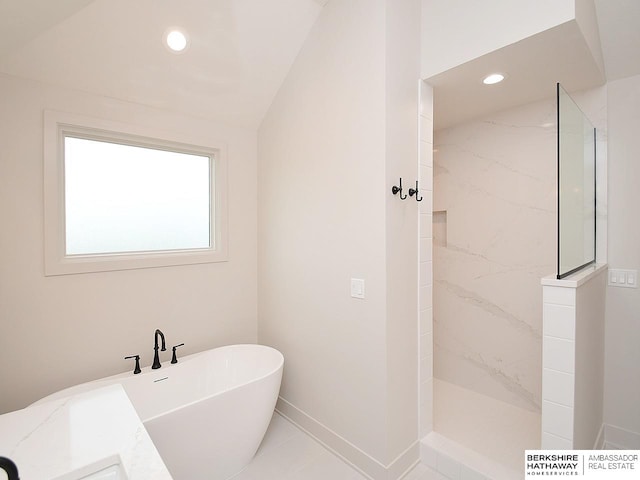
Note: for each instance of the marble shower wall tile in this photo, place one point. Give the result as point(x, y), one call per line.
point(496, 180)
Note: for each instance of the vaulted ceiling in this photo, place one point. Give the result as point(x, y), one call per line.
point(240, 50)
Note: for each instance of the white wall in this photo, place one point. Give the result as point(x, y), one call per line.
point(340, 132)
point(59, 331)
point(622, 330)
point(454, 32)
point(321, 194)
point(401, 146)
point(589, 360)
point(585, 14)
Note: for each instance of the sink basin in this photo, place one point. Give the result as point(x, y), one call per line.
point(109, 468)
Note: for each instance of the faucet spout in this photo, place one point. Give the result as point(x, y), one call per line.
point(156, 357)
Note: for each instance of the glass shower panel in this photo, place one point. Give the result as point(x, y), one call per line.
point(576, 187)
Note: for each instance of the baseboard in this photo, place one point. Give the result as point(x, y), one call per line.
point(358, 459)
point(620, 438)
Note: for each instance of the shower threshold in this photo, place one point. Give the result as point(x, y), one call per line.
point(480, 433)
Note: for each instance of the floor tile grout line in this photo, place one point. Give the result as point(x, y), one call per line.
point(325, 447)
point(280, 443)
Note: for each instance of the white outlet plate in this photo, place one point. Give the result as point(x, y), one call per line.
point(623, 278)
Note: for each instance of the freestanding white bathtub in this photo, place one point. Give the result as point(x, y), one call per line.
point(208, 413)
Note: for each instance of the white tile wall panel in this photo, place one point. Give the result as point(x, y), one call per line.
point(426, 297)
point(426, 273)
point(426, 155)
point(426, 129)
point(426, 320)
point(425, 373)
point(426, 100)
point(426, 177)
point(558, 387)
point(426, 246)
point(557, 419)
point(558, 354)
point(553, 442)
point(426, 226)
point(426, 345)
point(426, 391)
point(426, 204)
point(559, 296)
point(559, 321)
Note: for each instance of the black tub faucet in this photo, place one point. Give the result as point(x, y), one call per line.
point(9, 467)
point(156, 358)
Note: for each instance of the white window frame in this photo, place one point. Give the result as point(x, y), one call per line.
point(56, 126)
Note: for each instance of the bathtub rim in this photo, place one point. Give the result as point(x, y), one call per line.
point(118, 377)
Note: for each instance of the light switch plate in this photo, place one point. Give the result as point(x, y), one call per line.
point(623, 278)
point(357, 288)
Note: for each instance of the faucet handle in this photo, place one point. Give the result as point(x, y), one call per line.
point(137, 369)
point(9, 468)
point(174, 358)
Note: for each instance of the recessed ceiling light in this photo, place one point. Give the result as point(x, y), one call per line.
point(493, 78)
point(176, 40)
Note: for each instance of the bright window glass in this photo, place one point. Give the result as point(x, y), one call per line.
point(124, 198)
point(121, 196)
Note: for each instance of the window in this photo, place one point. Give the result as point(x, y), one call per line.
point(117, 198)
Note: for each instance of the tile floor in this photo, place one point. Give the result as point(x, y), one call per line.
point(287, 453)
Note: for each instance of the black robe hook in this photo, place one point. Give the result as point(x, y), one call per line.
point(415, 192)
point(395, 190)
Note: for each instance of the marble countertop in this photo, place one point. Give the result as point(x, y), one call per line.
point(66, 438)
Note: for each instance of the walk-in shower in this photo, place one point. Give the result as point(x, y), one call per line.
point(505, 215)
point(494, 238)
